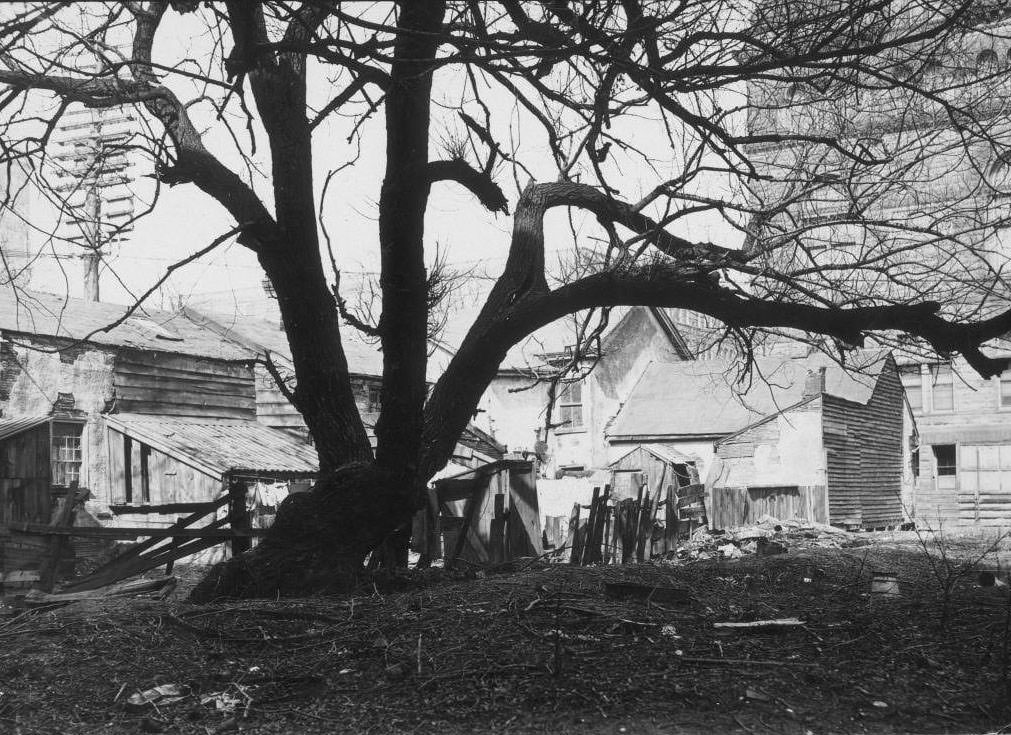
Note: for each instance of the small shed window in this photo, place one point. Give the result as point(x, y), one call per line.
point(944, 457)
point(67, 454)
point(942, 388)
point(912, 381)
point(375, 399)
point(570, 406)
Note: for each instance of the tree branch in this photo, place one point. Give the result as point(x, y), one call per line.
point(479, 183)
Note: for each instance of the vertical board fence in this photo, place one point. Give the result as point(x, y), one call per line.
point(634, 529)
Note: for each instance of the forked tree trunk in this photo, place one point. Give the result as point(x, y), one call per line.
point(320, 539)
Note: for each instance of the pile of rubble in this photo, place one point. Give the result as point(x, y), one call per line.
point(767, 537)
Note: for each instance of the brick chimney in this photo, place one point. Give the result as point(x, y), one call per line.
point(815, 383)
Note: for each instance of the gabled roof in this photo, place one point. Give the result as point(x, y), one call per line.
point(534, 352)
point(701, 399)
point(664, 454)
point(49, 315)
point(219, 446)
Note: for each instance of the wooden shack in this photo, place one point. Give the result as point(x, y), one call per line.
point(652, 466)
point(839, 457)
point(157, 462)
point(481, 516)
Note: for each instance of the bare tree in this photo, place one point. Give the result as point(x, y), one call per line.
point(668, 99)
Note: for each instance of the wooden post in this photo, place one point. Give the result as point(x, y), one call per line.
point(572, 540)
point(469, 511)
point(433, 531)
point(598, 526)
point(670, 521)
point(58, 544)
point(238, 515)
point(172, 560)
point(496, 542)
point(651, 519)
point(586, 556)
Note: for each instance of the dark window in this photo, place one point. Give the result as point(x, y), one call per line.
point(375, 400)
point(912, 381)
point(67, 453)
point(944, 457)
point(145, 479)
point(570, 406)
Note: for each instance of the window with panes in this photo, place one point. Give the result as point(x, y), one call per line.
point(912, 381)
point(67, 453)
point(570, 406)
point(942, 387)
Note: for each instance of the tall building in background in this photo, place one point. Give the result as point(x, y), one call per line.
point(16, 252)
point(952, 200)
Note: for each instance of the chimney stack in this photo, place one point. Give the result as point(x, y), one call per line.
point(815, 383)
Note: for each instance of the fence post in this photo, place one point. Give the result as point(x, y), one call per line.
point(238, 516)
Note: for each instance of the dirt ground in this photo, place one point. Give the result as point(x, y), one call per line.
point(538, 650)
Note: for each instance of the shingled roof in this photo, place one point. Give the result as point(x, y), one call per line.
point(365, 358)
point(701, 398)
point(49, 315)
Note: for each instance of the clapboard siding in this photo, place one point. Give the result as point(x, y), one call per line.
point(169, 480)
point(24, 493)
point(865, 460)
point(177, 385)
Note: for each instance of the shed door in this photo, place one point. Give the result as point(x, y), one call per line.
point(984, 484)
point(625, 484)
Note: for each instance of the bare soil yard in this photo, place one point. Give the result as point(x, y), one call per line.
point(531, 651)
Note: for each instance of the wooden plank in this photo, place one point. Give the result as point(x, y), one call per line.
point(163, 509)
point(586, 554)
point(38, 529)
point(652, 593)
point(468, 518)
point(572, 541)
point(58, 545)
point(167, 365)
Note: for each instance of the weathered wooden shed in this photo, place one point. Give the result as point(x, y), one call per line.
point(160, 461)
point(484, 515)
point(650, 465)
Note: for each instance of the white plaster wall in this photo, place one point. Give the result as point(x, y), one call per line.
point(513, 418)
point(791, 453)
point(89, 378)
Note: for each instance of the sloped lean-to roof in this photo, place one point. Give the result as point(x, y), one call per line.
point(11, 427)
point(700, 398)
point(49, 315)
point(220, 446)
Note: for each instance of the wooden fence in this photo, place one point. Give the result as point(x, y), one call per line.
point(47, 545)
point(636, 529)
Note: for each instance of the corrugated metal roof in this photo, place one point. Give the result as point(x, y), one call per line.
point(219, 445)
point(700, 398)
point(10, 427)
point(50, 315)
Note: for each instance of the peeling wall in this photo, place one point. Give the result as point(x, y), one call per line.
point(38, 380)
point(786, 450)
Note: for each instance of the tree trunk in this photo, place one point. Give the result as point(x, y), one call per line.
point(319, 538)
